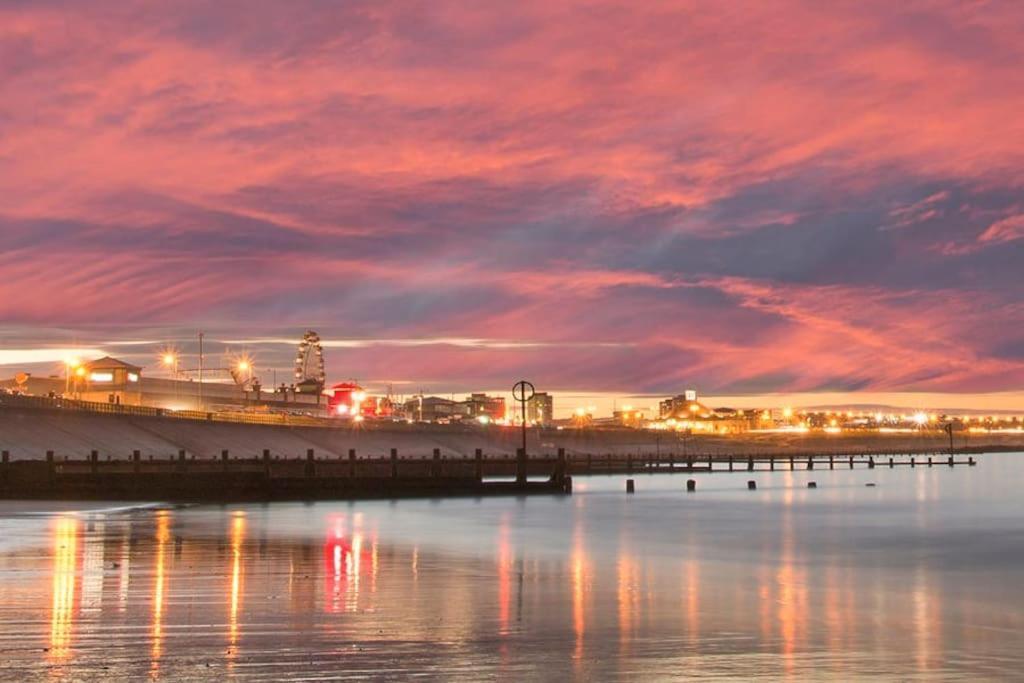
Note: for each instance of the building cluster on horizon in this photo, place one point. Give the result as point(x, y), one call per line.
point(114, 381)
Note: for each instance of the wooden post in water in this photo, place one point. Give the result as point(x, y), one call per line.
point(810, 462)
point(751, 485)
point(871, 462)
point(630, 488)
point(771, 462)
point(394, 463)
point(750, 464)
point(791, 464)
point(970, 461)
point(478, 462)
point(929, 461)
point(950, 463)
point(730, 463)
point(891, 463)
point(831, 462)
point(851, 462)
point(913, 461)
point(691, 485)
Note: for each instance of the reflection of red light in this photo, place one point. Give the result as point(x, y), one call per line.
point(345, 558)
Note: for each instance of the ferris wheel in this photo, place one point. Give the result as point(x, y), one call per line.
point(309, 361)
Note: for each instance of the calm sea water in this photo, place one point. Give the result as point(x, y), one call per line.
point(918, 578)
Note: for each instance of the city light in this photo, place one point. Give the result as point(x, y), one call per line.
point(921, 418)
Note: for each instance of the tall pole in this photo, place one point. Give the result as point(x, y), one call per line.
point(519, 390)
point(200, 370)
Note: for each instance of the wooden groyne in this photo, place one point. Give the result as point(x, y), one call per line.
point(181, 477)
point(268, 477)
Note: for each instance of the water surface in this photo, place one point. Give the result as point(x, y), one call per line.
point(918, 578)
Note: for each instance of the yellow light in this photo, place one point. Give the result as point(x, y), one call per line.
point(169, 359)
point(787, 412)
point(581, 412)
point(243, 365)
point(920, 418)
point(72, 362)
point(80, 371)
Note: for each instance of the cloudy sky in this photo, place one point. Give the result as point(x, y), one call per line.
point(605, 196)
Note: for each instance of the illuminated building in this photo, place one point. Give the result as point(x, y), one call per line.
point(482, 405)
point(540, 409)
point(108, 380)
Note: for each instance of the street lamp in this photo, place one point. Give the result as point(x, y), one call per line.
point(71, 365)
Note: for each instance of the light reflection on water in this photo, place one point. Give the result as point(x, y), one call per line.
point(917, 578)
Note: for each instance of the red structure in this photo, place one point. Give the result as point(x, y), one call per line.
point(348, 400)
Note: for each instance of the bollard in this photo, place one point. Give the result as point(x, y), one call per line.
point(94, 461)
point(871, 462)
point(567, 485)
point(950, 463)
point(851, 462)
point(224, 460)
point(810, 462)
point(751, 485)
point(913, 461)
point(750, 464)
point(394, 463)
point(812, 484)
point(435, 467)
point(310, 464)
point(891, 463)
point(629, 486)
point(352, 463)
point(136, 461)
point(730, 463)
point(970, 461)
point(478, 462)
point(791, 465)
point(691, 485)
point(929, 461)
point(771, 463)
point(182, 462)
point(831, 462)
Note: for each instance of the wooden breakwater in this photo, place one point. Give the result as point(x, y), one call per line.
point(181, 477)
point(266, 477)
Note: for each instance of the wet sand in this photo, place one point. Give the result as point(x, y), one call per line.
point(918, 578)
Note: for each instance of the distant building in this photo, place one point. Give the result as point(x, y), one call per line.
point(482, 405)
point(108, 380)
point(432, 409)
point(540, 409)
point(685, 405)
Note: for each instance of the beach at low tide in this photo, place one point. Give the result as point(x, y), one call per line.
point(915, 578)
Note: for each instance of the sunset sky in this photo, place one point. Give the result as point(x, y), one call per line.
point(746, 197)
